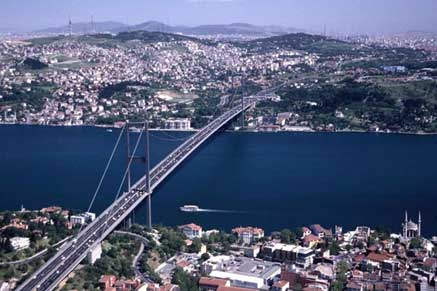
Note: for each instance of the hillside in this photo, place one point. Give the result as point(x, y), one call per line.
point(109, 39)
point(150, 37)
point(85, 27)
point(299, 41)
point(155, 26)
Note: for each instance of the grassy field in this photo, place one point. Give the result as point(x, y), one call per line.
point(176, 97)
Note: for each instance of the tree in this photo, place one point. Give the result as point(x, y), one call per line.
point(196, 246)
point(286, 236)
point(415, 243)
point(204, 257)
point(341, 277)
point(382, 232)
point(334, 248)
point(184, 280)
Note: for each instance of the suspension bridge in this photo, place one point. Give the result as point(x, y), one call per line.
point(48, 276)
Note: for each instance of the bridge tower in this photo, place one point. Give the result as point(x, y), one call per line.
point(243, 83)
point(144, 159)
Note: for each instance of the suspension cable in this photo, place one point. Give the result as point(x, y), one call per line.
point(104, 173)
point(125, 173)
point(129, 164)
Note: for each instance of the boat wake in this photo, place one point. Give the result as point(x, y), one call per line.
point(219, 211)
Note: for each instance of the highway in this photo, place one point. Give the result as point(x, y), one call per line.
point(71, 254)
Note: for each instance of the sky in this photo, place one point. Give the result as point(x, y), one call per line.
point(339, 16)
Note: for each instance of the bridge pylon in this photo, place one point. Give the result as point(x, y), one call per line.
point(145, 159)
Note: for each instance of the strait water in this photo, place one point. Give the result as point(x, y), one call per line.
point(259, 179)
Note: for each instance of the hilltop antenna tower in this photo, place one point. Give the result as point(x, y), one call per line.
point(93, 26)
point(70, 27)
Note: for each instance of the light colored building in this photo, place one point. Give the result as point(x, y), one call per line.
point(82, 218)
point(288, 253)
point(281, 285)
point(242, 272)
point(410, 229)
point(94, 254)
point(77, 219)
point(89, 216)
point(5, 286)
point(248, 234)
point(177, 124)
point(191, 230)
point(20, 243)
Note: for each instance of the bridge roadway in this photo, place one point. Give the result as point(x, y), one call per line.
point(48, 276)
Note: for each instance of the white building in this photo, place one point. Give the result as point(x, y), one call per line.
point(248, 234)
point(20, 243)
point(5, 286)
point(94, 254)
point(177, 124)
point(242, 272)
point(410, 229)
point(77, 219)
point(191, 230)
point(301, 256)
point(82, 218)
point(89, 216)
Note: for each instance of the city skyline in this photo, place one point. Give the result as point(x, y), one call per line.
point(338, 16)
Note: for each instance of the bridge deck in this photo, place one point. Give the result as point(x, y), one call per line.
point(71, 254)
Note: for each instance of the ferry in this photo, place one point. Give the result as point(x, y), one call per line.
point(189, 208)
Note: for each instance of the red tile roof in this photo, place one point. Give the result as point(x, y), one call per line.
point(249, 229)
point(192, 226)
point(311, 238)
point(207, 281)
point(229, 288)
point(378, 257)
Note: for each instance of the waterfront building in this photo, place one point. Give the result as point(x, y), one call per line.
point(177, 124)
point(394, 69)
point(82, 218)
point(411, 229)
point(20, 243)
point(77, 219)
point(320, 231)
point(191, 230)
point(248, 234)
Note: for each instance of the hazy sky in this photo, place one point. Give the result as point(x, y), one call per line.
point(347, 16)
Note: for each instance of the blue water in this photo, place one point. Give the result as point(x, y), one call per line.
point(267, 180)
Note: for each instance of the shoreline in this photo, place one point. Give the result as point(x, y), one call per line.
point(230, 130)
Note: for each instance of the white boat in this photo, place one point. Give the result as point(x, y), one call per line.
point(135, 130)
point(189, 208)
point(109, 130)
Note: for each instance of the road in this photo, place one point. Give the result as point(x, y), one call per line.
point(35, 256)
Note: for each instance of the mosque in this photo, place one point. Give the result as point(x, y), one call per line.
point(411, 229)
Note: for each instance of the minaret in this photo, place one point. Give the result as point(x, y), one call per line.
point(419, 231)
point(405, 225)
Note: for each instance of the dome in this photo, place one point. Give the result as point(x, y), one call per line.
point(412, 226)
